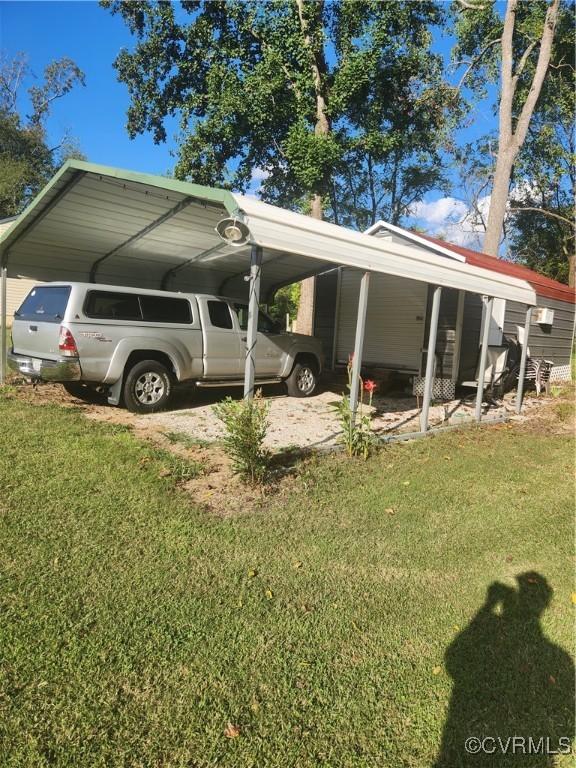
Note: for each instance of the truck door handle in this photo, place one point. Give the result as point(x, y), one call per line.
point(243, 338)
point(33, 327)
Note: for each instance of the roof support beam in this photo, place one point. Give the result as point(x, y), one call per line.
point(139, 235)
point(297, 279)
point(252, 330)
point(199, 257)
point(523, 358)
point(224, 283)
point(430, 358)
point(78, 176)
point(488, 302)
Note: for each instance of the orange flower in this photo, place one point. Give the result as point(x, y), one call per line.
point(370, 386)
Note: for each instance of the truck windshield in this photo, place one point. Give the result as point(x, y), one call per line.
point(46, 303)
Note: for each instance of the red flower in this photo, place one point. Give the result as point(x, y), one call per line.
point(370, 386)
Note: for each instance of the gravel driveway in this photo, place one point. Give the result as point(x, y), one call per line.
point(307, 422)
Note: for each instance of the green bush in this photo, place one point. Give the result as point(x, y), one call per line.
point(246, 424)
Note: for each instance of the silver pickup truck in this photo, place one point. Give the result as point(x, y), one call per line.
point(135, 345)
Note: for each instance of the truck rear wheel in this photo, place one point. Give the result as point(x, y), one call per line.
point(147, 387)
point(302, 381)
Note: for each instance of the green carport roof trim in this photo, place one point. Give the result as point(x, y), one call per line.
point(75, 169)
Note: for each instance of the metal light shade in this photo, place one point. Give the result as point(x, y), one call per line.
point(233, 232)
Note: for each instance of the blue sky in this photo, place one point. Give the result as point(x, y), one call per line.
point(96, 114)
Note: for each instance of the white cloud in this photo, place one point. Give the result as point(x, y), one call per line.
point(259, 175)
point(453, 219)
point(440, 211)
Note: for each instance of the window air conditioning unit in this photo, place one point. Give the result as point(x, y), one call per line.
point(543, 316)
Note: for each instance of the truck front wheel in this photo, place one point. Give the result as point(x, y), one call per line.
point(302, 381)
point(147, 387)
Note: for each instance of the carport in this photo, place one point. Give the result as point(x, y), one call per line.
point(104, 225)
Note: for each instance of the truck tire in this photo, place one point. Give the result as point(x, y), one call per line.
point(302, 381)
point(147, 387)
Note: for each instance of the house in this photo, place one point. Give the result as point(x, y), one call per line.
point(16, 289)
point(398, 316)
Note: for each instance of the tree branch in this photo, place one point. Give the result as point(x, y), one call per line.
point(571, 222)
point(470, 6)
point(524, 59)
point(475, 61)
point(540, 73)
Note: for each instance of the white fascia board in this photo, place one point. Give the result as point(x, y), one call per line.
point(289, 232)
point(413, 237)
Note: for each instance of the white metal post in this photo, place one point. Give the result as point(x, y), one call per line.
point(359, 342)
point(458, 335)
point(430, 358)
point(252, 330)
point(483, 355)
point(523, 358)
point(3, 324)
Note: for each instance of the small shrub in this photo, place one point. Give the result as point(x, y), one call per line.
point(246, 424)
point(356, 433)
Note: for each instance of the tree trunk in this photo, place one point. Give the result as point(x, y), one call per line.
point(510, 139)
point(498, 202)
point(306, 305)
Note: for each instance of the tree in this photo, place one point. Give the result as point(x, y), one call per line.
point(520, 46)
point(541, 213)
point(316, 94)
point(26, 161)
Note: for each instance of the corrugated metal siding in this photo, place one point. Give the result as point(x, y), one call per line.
point(446, 332)
point(470, 337)
point(553, 343)
point(16, 290)
point(394, 320)
point(324, 311)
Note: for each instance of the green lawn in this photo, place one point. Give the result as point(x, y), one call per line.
point(134, 627)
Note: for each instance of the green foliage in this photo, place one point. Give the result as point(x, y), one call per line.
point(543, 181)
point(246, 422)
point(356, 429)
point(543, 239)
point(285, 303)
point(344, 102)
point(26, 161)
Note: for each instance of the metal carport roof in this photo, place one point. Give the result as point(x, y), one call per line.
point(108, 225)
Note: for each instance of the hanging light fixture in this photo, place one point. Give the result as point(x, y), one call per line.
point(233, 232)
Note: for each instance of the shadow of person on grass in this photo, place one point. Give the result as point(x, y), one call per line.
point(513, 695)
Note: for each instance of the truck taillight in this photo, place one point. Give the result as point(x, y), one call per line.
point(66, 343)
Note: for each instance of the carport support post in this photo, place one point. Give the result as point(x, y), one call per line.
point(3, 324)
point(523, 358)
point(430, 358)
point(483, 355)
point(359, 343)
point(252, 330)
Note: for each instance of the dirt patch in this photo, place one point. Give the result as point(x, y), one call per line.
point(298, 427)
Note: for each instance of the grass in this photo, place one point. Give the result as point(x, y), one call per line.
point(136, 628)
point(186, 440)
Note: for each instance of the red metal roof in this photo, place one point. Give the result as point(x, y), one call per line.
point(544, 286)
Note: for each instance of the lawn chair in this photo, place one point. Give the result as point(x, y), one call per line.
point(496, 373)
point(538, 373)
